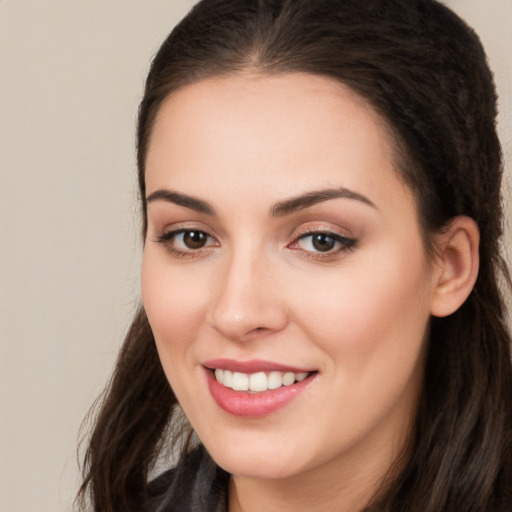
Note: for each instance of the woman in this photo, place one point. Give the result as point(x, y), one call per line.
point(320, 187)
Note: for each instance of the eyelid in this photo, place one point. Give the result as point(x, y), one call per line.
point(160, 228)
point(346, 241)
point(342, 237)
point(167, 235)
point(321, 227)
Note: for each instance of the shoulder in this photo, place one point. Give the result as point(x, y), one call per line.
point(195, 484)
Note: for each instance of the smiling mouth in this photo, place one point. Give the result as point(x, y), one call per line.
point(255, 389)
point(259, 381)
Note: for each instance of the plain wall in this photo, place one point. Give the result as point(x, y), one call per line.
point(71, 76)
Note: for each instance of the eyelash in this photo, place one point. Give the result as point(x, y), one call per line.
point(168, 237)
point(344, 243)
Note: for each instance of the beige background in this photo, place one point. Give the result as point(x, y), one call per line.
point(71, 75)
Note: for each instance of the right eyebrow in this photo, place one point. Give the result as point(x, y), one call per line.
point(181, 200)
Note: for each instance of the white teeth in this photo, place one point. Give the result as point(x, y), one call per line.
point(275, 380)
point(288, 378)
point(259, 381)
point(227, 378)
point(240, 381)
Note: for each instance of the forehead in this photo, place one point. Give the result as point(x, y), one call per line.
point(266, 132)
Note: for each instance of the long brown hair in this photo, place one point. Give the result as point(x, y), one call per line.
point(424, 70)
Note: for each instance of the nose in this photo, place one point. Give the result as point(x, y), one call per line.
point(246, 301)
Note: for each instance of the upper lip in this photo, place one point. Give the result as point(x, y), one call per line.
point(252, 366)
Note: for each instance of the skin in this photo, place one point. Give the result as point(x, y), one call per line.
point(258, 288)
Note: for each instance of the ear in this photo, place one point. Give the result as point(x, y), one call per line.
point(456, 266)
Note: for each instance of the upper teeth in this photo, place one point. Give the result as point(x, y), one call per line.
point(259, 381)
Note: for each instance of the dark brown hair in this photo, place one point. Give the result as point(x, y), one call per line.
point(425, 72)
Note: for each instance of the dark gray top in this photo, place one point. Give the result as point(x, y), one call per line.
point(196, 484)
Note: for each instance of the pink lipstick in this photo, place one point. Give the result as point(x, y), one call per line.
point(254, 388)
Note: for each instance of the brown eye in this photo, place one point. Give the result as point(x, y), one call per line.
point(322, 242)
point(194, 239)
point(185, 242)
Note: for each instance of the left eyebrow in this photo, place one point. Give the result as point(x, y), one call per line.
point(308, 199)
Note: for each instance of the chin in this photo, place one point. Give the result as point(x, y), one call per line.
point(257, 461)
point(270, 470)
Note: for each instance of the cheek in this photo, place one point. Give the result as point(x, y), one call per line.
point(372, 313)
point(173, 302)
point(371, 323)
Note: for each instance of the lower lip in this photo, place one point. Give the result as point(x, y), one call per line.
point(254, 405)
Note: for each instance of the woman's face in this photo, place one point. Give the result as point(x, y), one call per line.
point(284, 251)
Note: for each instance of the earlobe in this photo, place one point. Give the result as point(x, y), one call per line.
point(456, 267)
